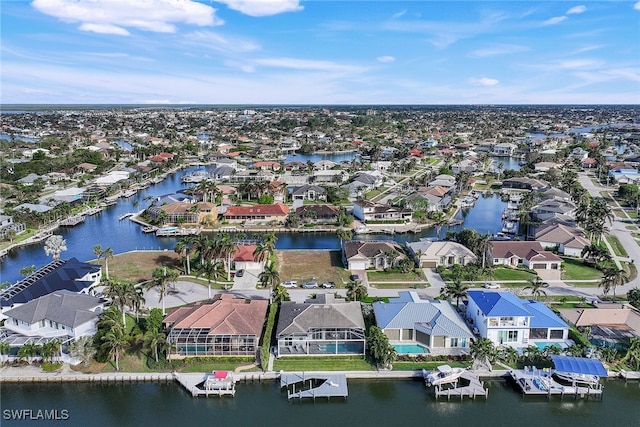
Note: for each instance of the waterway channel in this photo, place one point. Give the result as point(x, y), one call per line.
point(370, 403)
point(107, 230)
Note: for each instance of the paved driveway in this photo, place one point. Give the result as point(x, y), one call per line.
point(247, 282)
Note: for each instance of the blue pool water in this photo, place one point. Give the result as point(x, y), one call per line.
point(411, 349)
point(344, 348)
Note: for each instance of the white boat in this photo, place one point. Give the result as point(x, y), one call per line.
point(575, 378)
point(442, 375)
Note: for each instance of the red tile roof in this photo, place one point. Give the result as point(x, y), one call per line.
point(223, 315)
point(273, 210)
point(244, 253)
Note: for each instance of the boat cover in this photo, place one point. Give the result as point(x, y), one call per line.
point(579, 365)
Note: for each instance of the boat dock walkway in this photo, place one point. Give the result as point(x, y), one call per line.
point(630, 375)
point(536, 382)
point(319, 385)
point(197, 385)
point(473, 389)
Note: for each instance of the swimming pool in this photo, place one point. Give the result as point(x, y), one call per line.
point(411, 349)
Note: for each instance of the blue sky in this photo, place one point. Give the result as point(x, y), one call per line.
point(319, 52)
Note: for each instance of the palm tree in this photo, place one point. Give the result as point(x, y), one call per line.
point(279, 294)
point(596, 254)
point(114, 341)
point(160, 279)
point(260, 253)
point(122, 294)
point(50, 349)
point(201, 244)
point(106, 254)
point(54, 246)
point(212, 269)
point(26, 271)
point(5, 347)
point(509, 355)
point(29, 351)
point(537, 286)
point(482, 350)
point(455, 289)
point(184, 247)
point(269, 243)
point(632, 357)
point(356, 291)
point(482, 247)
point(613, 277)
point(269, 278)
point(344, 234)
point(381, 351)
point(154, 339)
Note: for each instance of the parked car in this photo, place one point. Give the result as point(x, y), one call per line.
point(354, 277)
point(310, 285)
point(328, 285)
point(491, 285)
point(289, 284)
point(239, 273)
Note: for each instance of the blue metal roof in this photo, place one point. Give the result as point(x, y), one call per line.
point(543, 316)
point(498, 303)
point(579, 365)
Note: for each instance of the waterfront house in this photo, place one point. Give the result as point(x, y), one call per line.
point(32, 178)
point(361, 255)
point(8, 225)
point(309, 192)
point(434, 254)
point(71, 274)
point(524, 183)
point(609, 325)
point(528, 254)
point(504, 149)
point(256, 213)
point(223, 326)
point(568, 240)
point(267, 165)
point(508, 320)
point(243, 259)
point(443, 180)
point(435, 324)
point(318, 214)
point(324, 165)
point(63, 315)
point(185, 212)
point(322, 326)
point(367, 211)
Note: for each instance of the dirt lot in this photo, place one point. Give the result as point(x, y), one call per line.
point(304, 266)
point(137, 266)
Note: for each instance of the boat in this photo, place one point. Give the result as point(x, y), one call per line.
point(149, 229)
point(443, 374)
point(575, 378)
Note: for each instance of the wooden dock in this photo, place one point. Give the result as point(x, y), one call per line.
point(314, 385)
point(629, 375)
point(205, 385)
point(536, 382)
point(474, 388)
point(72, 220)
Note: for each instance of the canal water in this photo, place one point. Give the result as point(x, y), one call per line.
point(370, 403)
point(107, 230)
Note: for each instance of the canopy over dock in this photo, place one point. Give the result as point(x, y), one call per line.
point(579, 365)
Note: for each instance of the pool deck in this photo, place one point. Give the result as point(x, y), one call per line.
point(333, 385)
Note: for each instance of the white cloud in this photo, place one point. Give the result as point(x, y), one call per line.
point(498, 50)
point(483, 81)
point(117, 16)
point(580, 63)
point(554, 20)
point(104, 29)
point(386, 58)
point(306, 64)
point(259, 8)
point(637, 6)
point(399, 14)
point(221, 42)
point(577, 10)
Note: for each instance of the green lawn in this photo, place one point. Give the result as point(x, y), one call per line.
point(399, 285)
point(392, 276)
point(322, 364)
point(618, 249)
point(575, 269)
point(412, 366)
point(504, 273)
